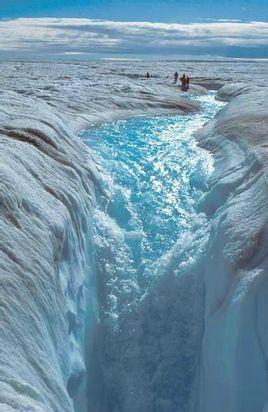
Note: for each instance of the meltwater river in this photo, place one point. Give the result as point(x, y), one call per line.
point(148, 241)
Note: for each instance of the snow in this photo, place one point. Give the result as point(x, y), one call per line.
point(48, 185)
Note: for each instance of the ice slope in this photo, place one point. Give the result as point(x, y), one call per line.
point(47, 190)
point(233, 375)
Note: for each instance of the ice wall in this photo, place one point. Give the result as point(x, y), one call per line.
point(46, 194)
point(234, 374)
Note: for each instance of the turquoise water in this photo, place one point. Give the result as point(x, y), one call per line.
point(156, 174)
point(146, 229)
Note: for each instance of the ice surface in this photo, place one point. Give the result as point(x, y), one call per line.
point(233, 371)
point(48, 184)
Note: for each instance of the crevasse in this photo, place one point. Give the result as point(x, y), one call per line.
point(148, 240)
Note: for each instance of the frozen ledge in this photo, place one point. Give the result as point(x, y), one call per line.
point(233, 373)
point(231, 90)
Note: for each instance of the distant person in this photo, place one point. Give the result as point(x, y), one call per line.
point(188, 82)
point(176, 75)
point(183, 81)
point(148, 75)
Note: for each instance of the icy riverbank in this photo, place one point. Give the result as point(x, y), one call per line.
point(48, 182)
point(47, 191)
point(233, 371)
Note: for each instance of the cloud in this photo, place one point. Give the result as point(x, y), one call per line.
point(72, 36)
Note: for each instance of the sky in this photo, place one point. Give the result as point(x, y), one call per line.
point(228, 28)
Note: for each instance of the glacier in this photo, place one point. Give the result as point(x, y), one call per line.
point(50, 182)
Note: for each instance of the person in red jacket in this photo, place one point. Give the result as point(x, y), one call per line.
point(183, 81)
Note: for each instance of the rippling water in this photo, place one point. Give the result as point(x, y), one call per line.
point(145, 230)
point(156, 174)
